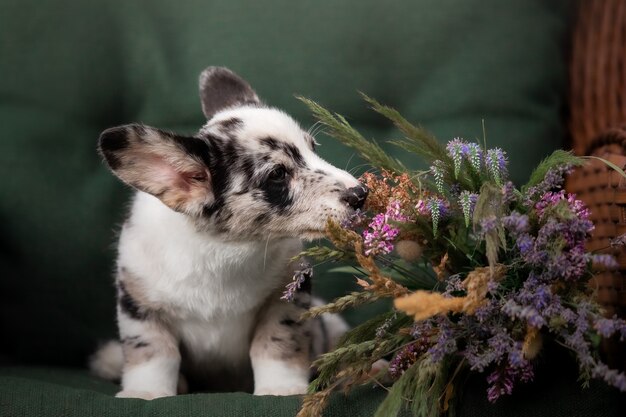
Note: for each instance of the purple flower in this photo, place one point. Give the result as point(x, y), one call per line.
point(404, 359)
point(421, 208)
point(552, 181)
point(378, 239)
point(438, 173)
point(608, 327)
point(438, 209)
point(454, 284)
point(354, 220)
point(468, 201)
point(551, 200)
point(496, 164)
point(605, 262)
point(394, 212)
point(299, 277)
point(502, 380)
point(481, 354)
point(488, 224)
point(474, 155)
point(457, 149)
point(618, 241)
point(508, 193)
point(446, 340)
point(516, 223)
point(611, 376)
point(525, 244)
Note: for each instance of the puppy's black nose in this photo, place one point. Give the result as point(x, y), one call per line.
point(355, 196)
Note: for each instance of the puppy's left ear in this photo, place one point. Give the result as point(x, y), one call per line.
point(220, 88)
point(172, 168)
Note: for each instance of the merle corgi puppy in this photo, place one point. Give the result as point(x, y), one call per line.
point(205, 254)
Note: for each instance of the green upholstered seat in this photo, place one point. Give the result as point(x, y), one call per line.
point(69, 69)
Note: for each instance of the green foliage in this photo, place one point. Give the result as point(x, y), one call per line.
point(321, 253)
point(339, 128)
point(609, 164)
point(423, 384)
point(351, 300)
point(367, 330)
point(393, 402)
point(556, 159)
point(429, 388)
point(352, 360)
point(418, 140)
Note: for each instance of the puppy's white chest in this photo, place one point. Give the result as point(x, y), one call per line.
point(208, 286)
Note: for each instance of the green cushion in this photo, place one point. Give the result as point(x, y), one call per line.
point(70, 69)
point(69, 393)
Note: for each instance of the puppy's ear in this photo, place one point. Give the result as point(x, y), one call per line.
point(221, 88)
point(170, 167)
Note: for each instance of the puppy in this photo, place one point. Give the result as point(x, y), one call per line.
point(205, 253)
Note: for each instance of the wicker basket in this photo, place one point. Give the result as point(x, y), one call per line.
point(598, 71)
point(604, 191)
point(598, 127)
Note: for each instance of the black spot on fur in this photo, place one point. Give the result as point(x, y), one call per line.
point(231, 124)
point(272, 143)
point(262, 219)
point(276, 339)
point(277, 194)
point(294, 154)
point(289, 149)
point(320, 171)
point(140, 345)
point(247, 166)
point(289, 322)
point(128, 304)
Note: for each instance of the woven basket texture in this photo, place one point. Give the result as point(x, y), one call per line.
point(598, 71)
point(597, 127)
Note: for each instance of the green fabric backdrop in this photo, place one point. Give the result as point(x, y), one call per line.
point(69, 69)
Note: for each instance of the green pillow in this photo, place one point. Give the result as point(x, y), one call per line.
point(71, 69)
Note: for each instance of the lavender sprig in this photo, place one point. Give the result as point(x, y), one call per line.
point(468, 200)
point(299, 277)
point(474, 156)
point(437, 171)
point(457, 150)
point(496, 164)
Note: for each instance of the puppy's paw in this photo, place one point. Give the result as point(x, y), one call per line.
point(282, 390)
point(144, 395)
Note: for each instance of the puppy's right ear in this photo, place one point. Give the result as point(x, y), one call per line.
point(221, 88)
point(173, 168)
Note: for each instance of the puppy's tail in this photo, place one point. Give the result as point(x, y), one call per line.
point(107, 361)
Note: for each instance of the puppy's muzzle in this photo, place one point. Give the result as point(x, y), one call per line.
point(355, 196)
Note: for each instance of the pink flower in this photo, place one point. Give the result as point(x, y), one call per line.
point(378, 240)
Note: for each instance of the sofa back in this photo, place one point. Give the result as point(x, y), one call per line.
point(70, 69)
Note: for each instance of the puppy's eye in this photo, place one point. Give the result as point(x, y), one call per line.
point(278, 174)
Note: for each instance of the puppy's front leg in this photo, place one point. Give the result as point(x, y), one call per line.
point(280, 350)
point(151, 355)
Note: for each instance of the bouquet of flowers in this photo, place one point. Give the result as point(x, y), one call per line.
point(479, 272)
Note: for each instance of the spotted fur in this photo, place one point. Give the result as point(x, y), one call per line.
point(206, 249)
